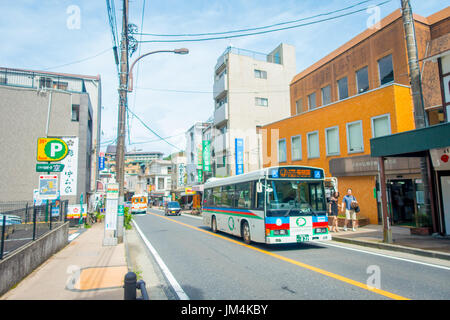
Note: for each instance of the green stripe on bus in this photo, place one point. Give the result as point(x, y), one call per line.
point(236, 214)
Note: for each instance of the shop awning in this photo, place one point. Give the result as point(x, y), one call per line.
point(412, 143)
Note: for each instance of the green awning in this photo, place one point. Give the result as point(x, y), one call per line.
point(411, 143)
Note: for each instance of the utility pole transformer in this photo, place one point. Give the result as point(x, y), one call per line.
point(417, 95)
point(123, 101)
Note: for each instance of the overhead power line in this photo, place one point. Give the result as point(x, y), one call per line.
point(262, 32)
point(152, 131)
point(255, 28)
point(78, 61)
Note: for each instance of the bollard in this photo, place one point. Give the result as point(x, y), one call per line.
point(130, 286)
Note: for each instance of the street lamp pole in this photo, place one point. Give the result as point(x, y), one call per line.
point(176, 51)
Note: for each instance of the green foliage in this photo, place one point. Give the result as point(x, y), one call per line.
point(127, 218)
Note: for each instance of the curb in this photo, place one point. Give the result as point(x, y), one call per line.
point(393, 247)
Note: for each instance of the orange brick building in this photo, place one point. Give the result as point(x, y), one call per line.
point(359, 91)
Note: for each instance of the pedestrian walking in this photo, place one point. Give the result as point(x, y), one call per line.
point(333, 211)
point(349, 203)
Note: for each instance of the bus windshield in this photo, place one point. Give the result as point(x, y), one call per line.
point(294, 197)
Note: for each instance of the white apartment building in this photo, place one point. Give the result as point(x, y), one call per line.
point(159, 179)
point(250, 90)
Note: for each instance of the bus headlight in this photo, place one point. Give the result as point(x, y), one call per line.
point(282, 232)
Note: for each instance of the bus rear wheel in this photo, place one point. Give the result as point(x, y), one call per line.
point(245, 231)
point(214, 225)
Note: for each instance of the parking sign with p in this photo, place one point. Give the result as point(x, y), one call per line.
point(51, 149)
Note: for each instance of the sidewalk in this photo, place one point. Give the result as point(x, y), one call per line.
point(84, 269)
point(403, 241)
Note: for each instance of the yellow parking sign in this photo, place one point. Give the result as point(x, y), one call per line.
point(51, 149)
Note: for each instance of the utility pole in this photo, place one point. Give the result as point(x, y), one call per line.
point(120, 149)
point(417, 95)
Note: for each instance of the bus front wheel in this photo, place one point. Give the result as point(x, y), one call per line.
point(214, 225)
point(246, 232)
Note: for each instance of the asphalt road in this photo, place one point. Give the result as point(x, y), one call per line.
point(211, 266)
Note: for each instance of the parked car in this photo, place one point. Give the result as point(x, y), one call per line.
point(172, 208)
point(10, 219)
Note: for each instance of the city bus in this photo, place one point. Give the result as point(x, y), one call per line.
point(139, 204)
point(273, 205)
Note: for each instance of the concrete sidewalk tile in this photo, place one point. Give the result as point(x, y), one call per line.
point(83, 263)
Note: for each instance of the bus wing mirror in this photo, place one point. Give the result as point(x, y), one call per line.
point(259, 187)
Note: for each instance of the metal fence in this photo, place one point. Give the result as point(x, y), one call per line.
point(22, 222)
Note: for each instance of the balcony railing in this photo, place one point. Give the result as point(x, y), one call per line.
point(36, 80)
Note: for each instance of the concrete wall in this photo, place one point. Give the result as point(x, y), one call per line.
point(23, 121)
point(21, 263)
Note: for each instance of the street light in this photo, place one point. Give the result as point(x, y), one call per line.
point(130, 75)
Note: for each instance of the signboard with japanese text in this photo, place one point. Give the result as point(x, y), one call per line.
point(48, 187)
point(239, 149)
point(199, 157)
point(206, 155)
point(181, 172)
point(440, 158)
point(74, 211)
point(68, 185)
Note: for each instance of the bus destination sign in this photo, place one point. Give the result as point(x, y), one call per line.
point(296, 172)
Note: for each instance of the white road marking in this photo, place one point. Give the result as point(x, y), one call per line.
point(73, 236)
point(173, 282)
point(386, 256)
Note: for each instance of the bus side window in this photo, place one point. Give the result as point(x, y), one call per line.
point(259, 197)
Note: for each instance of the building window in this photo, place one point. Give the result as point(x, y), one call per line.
point(313, 144)
point(326, 95)
point(221, 102)
point(296, 148)
point(260, 74)
point(75, 112)
point(362, 80)
point(263, 102)
point(282, 150)
point(381, 126)
point(386, 70)
point(342, 88)
point(312, 101)
point(332, 141)
point(298, 106)
point(355, 137)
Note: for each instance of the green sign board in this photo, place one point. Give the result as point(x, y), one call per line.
point(43, 167)
point(120, 211)
point(206, 148)
point(200, 175)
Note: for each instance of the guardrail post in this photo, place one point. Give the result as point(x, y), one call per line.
point(50, 215)
point(141, 286)
point(3, 237)
point(26, 213)
point(130, 286)
point(34, 223)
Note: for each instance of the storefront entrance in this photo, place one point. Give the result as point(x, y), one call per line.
point(401, 199)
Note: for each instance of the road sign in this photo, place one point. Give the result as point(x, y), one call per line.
point(48, 187)
point(51, 149)
point(44, 167)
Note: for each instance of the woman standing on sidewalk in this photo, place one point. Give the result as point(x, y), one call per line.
point(333, 212)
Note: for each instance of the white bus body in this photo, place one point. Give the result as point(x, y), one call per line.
point(272, 205)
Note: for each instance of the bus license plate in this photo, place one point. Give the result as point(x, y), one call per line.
point(302, 237)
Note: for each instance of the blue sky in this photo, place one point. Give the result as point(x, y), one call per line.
point(35, 36)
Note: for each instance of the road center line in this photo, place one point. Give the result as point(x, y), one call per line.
point(295, 262)
point(173, 282)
